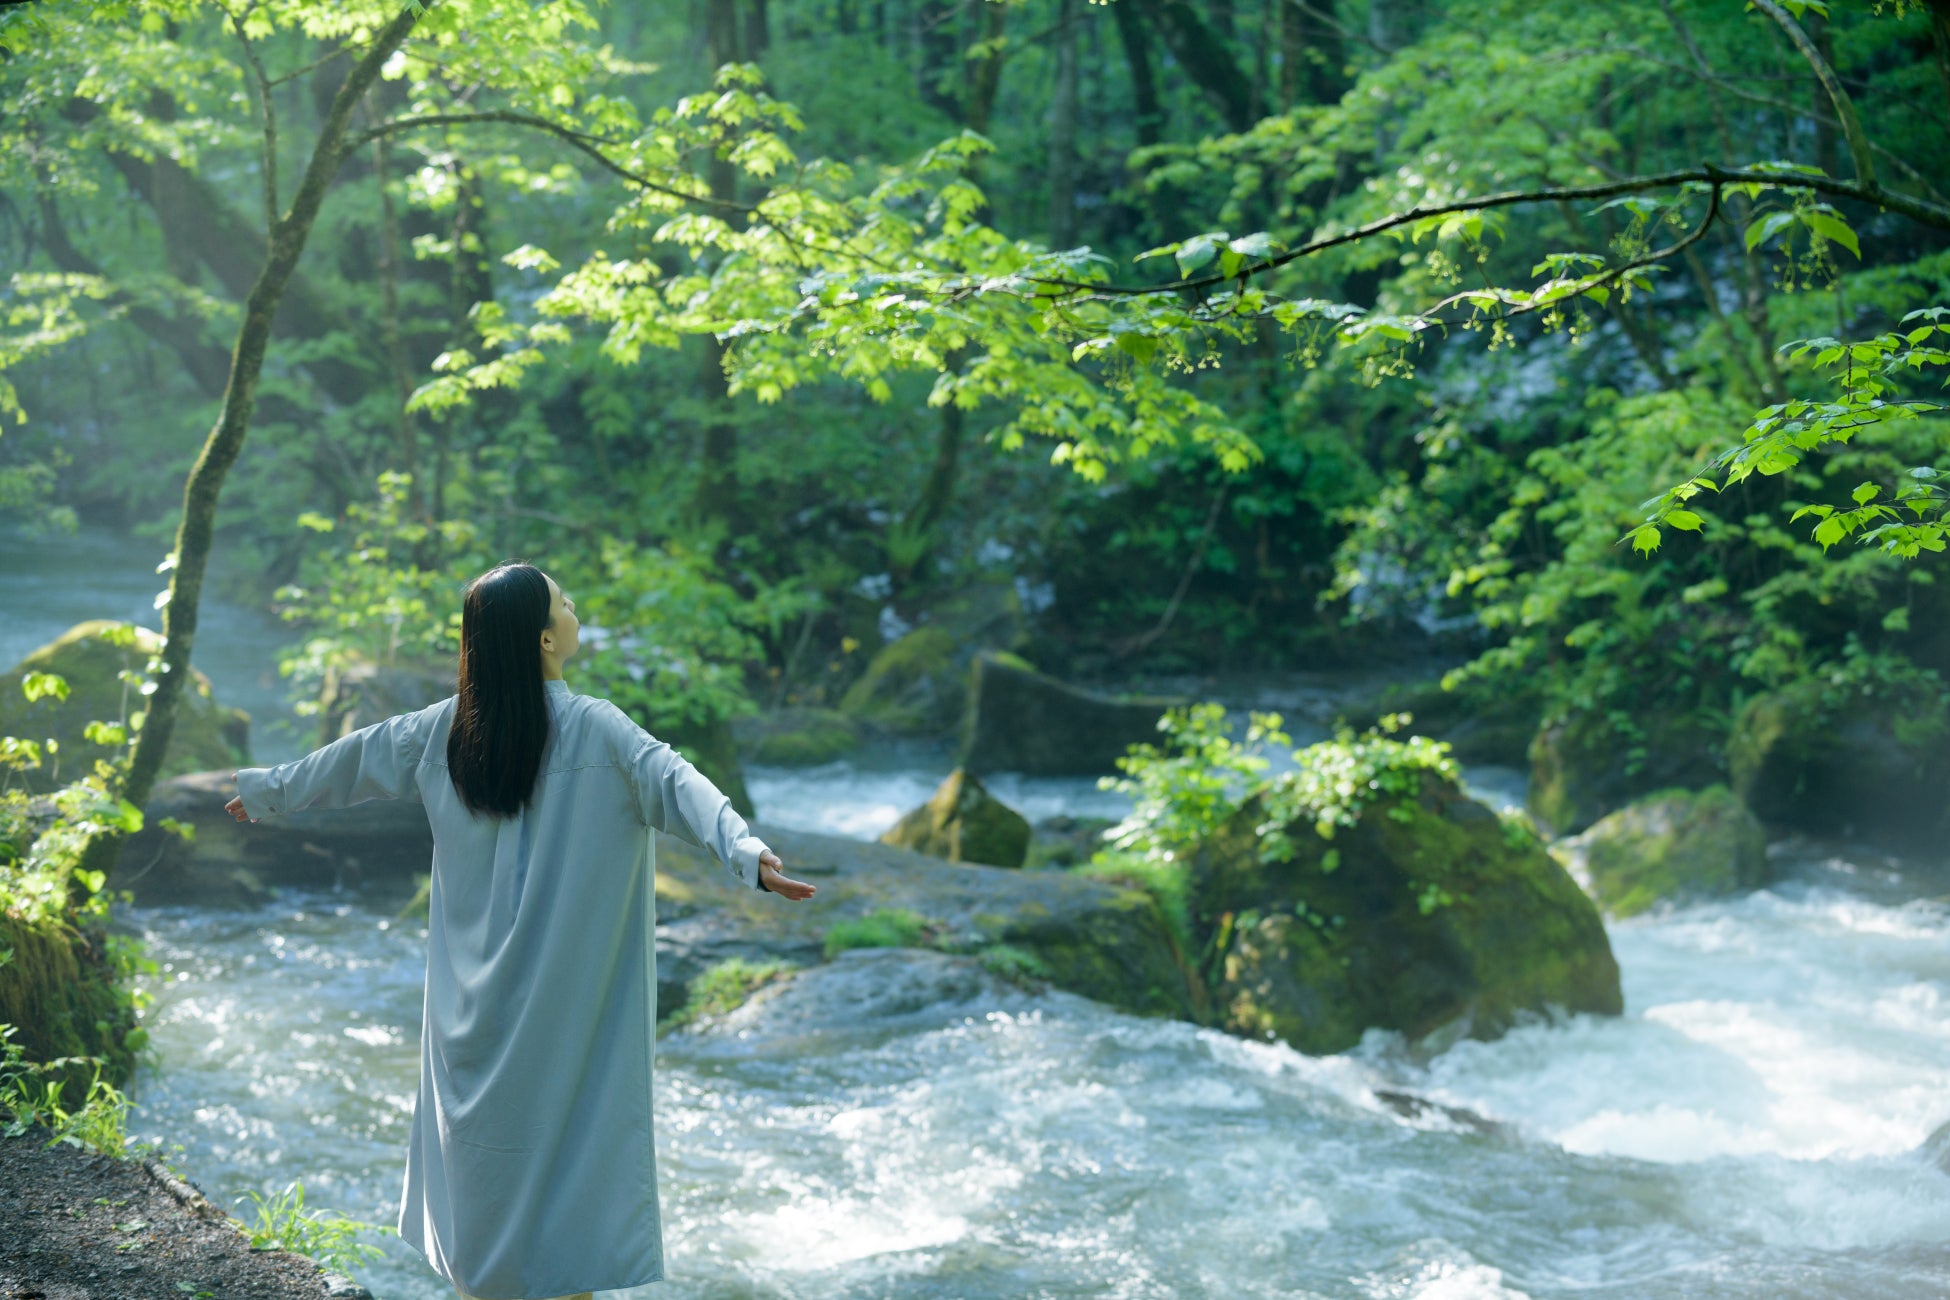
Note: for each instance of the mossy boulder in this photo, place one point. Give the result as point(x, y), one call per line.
point(1022, 721)
point(963, 822)
point(1676, 844)
point(206, 735)
point(1863, 769)
point(913, 686)
point(796, 737)
point(1101, 940)
point(1430, 913)
point(1588, 764)
point(60, 992)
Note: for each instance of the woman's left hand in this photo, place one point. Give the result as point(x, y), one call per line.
point(797, 891)
point(236, 809)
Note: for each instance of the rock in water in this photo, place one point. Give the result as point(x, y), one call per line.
point(1429, 912)
point(1873, 769)
point(963, 822)
point(1676, 844)
point(207, 734)
point(1021, 721)
point(1582, 767)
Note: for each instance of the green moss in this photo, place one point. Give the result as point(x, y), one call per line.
point(1429, 913)
point(1675, 844)
point(1017, 965)
point(911, 686)
point(66, 996)
point(963, 822)
point(722, 988)
point(800, 738)
point(417, 907)
point(90, 657)
point(887, 927)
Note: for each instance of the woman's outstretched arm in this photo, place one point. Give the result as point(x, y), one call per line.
point(375, 762)
point(676, 798)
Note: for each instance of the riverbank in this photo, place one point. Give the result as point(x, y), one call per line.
point(85, 1226)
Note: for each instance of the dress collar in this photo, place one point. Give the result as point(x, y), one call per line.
point(556, 686)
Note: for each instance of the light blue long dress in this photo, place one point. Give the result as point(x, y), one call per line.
point(532, 1166)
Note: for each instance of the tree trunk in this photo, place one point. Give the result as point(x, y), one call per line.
point(226, 439)
point(714, 503)
point(1148, 116)
point(1202, 53)
point(1063, 129)
point(1313, 60)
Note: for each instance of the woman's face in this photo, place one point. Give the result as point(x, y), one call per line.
point(562, 637)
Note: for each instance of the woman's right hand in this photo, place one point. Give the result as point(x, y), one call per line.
point(797, 891)
point(236, 809)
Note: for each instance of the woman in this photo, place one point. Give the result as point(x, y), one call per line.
point(531, 1167)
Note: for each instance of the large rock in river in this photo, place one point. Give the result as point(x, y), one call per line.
point(1584, 766)
point(1021, 721)
point(963, 822)
point(206, 735)
point(1863, 769)
point(1428, 913)
point(1677, 844)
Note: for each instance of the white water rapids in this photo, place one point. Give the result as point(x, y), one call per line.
point(1750, 1127)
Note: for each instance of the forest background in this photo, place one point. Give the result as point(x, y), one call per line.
point(775, 327)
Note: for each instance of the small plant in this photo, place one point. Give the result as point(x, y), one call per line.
point(724, 987)
point(1338, 779)
point(28, 1096)
point(283, 1223)
point(888, 927)
point(1016, 965)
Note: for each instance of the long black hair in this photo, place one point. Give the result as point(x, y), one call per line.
point(494, 750)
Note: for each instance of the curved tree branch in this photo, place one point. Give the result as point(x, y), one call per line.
point(1858, 140)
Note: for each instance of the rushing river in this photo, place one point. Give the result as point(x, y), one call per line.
point(1750, 1127)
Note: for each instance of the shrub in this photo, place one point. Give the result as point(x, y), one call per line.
point(888, 927)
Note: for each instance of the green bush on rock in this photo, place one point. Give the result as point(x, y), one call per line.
point(1363, 889)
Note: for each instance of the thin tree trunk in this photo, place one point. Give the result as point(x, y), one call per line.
point(226, 439)
point(715, 500)
point(408, 452)
point(1063, 129)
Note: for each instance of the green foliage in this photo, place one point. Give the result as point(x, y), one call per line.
point(1339, 779)
point(282, 1222)
point(1182, 790)
point(389, 593)
point(886, 927)
point(723, 987)
point(31, 1094)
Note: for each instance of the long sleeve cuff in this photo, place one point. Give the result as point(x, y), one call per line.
point(746, 851)
point(260, 791)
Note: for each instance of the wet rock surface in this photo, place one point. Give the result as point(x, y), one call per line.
point(865, 993)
